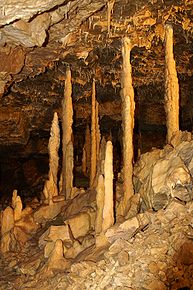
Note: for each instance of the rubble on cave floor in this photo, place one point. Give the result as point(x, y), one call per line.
point(54, 246)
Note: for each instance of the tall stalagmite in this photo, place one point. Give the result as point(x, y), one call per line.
point(67, 120)
point(104, 198)
point(93, 136)
point(108, 210)
point(128, 111)
point(98, 135)
point(171, 86)
point(51, 187)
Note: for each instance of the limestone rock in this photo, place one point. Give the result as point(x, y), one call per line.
point(80, 224)
point(7, 221)
point(55, 233)
point(56, 260)
point(48, 212)
point(168, 175)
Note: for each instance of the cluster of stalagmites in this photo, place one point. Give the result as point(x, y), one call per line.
point(17, 225)
point(82, 220)
point(79, 227)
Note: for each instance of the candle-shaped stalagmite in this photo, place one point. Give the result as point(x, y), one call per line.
point(171, 86)
point(51, 187)
point(93, 136)
point(128, 111)
point(67, 120)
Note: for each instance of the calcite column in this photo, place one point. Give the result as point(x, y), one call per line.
point(171, 86)
point(67, 120)
point(128, 111)
point(93, 136)
point(51, 187)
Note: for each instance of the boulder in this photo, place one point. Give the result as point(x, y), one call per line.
point(7, 221)
point(79, 224)
point(48, 212)
point(55, 233)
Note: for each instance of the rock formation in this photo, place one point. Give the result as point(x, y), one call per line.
point(104, 198)
point(93, 136)
point(128, 110)
point(51, 185)
point(171, 86)
point(67, 120)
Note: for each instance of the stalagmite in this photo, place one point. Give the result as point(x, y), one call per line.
point(100, 204)
point(17, 205)
point(128, 110)
point(93, 136)
point(98, 135)
point(18, 208)
point(104, 198)
point(7, 224)
point(171, 86)
point(69, 169)
point(108, 211)
point(67, 120)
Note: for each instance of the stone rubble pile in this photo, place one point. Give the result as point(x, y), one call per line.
point(164, 174)
point(63, 245)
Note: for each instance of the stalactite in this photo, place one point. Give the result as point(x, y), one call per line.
point(93, 136)
point(171, 86)
point(67, 120)
point(128, 109)
point(50, 187)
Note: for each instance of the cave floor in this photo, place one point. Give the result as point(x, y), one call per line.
point(158, 256)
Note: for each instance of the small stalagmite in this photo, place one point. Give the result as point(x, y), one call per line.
point(67, 120)
point(171, 86)
point(128, 111)
point(93, 136)
point(17, 206)
point(18, 209)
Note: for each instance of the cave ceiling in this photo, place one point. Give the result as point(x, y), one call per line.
point(39, 39)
